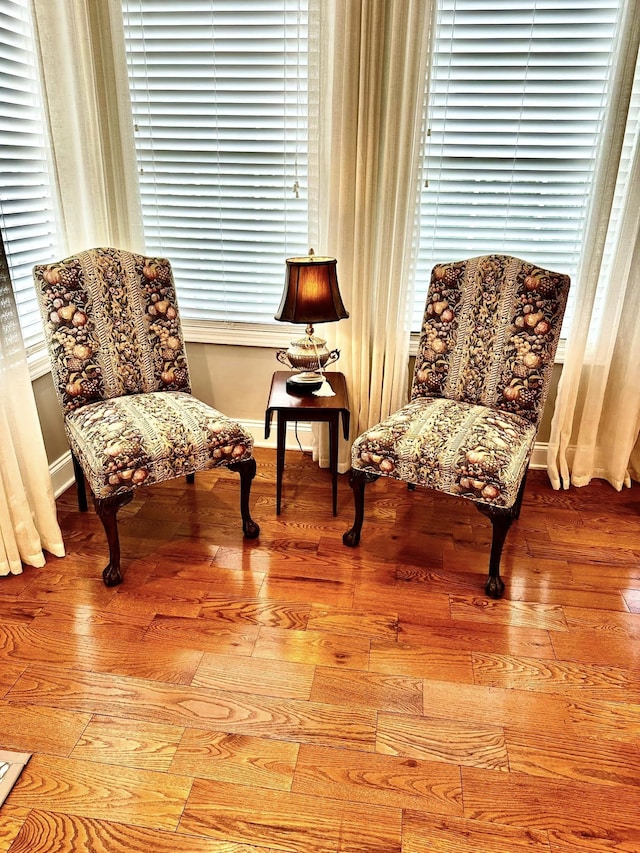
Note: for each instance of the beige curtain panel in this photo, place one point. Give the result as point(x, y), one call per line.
point(86, 96)
point(596, 422)
point(367, 76)
point(28, 523)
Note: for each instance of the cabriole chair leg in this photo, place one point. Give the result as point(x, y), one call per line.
point(501, 521)
point(357, 480)
point(106, 509)
point(247, 471)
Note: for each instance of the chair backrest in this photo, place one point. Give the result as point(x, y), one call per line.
point(490, 332)
point(112, 326)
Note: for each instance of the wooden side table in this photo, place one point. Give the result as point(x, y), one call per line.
point(307, 408)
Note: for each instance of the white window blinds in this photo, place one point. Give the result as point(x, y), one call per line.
point(518, 95)
point(219, 100)
point(26, 207)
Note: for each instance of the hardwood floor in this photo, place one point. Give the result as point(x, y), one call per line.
point(291, 694)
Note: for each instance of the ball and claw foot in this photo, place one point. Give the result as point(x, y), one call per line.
point(494, 587)
point(351, 538)
point(250, 529)
point(112, 576)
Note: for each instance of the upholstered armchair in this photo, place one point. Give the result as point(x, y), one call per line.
point(489, 336)
point(120, 371)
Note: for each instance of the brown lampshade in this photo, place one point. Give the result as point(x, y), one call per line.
point(311, 293)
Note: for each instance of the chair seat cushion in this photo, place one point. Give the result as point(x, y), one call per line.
point(457, 448)
point(125, 442)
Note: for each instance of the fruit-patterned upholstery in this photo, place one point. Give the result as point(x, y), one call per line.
point(489, 336)
point(120, 371)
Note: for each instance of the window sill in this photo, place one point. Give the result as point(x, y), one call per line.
point(240, 334)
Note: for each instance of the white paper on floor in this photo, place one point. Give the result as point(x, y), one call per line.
point(11, 764)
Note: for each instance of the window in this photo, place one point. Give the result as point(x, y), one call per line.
point(518, 95)
point(26, 204)
point(219, 101)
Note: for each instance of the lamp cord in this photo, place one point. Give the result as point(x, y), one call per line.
point(304, 452)
point(325, 389)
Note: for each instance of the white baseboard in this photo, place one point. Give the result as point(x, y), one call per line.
point(62, 469)
point(256, 428)
point(61, 472)
point(539, 455)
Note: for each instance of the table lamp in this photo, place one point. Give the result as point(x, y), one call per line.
point(311, 295)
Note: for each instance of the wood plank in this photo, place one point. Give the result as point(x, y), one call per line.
point(10, 672)
point(521, 709)
point(584, 759)
point(44, 832)
point(129, 604)
point(13, 818)
point(257, 611)
point(257, 676)
point(308, 590)
point(240, 759)
point(424, 580)
point(87, 621)
point(592, 841)
point(367, 690)
point(61, 586)
point(431, 834)
point(481, 637)
point(205, 571)
point(580, 680)
point(524, 614)
point(92, 789)
point(596, 536)
point(318, 648)
point(528, 802)
point(385, 780)
point(604, 719)
point(201, 634)
point(155, 661)
point(128, 743)
point(439, 739)
point(549, 590)
point(165, 592)
point(607, 623)
point(290, 822)
point(16, 608)
point(419, 661)
point(540, 547)
point(284, 719)
point(412, 602)
point(597, 647)
point(40, 729)
point(356, 623)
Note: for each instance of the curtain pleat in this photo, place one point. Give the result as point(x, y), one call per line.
point(367, 79)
